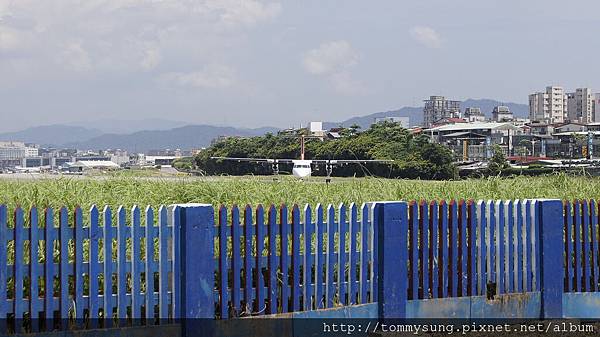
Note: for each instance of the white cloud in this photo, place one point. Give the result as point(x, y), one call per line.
point(243, 12)
point(330, 57)
point(333, 60)
point(426, 36)
point(343, 83)
point(74, 56)
point(214, 76)
point(9, 39)
point(127, 35)
point(150, 59)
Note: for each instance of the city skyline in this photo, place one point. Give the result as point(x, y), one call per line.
point(253, 63)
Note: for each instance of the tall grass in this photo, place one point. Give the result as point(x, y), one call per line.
point(114, 191)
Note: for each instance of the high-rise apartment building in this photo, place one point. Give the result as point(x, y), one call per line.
point(549, 106)
point(597, 107)
point(438, 107)
point(580, 106)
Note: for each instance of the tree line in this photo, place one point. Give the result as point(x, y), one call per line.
point(413, 154)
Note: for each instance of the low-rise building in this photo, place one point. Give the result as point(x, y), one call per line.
point(502, 113)
point(474, 115)
point(474, 141)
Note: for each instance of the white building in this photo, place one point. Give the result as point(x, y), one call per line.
point(316, 129)
point(502, 113)
point(549, 106)
point(474, 115)
point(31, 152)
point(580, 105)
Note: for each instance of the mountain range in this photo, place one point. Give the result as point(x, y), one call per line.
point(149, 134)
point(415, 114)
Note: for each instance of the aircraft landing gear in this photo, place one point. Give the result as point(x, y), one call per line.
point(329, 170)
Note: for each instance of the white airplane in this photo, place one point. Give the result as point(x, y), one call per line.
point(303, 167)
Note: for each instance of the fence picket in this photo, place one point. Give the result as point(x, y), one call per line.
point(248, 261)
point(65, 269)
point(260, 246)
point(4, 274)
point(308, 259)
point(577, 244)
point(453, 257)
point(341, 252)
point(472, 251)
point(272, 262)
point(49, 270)
point(443, 254)
point(530, 237)
point(108, 266)
point(79, 271)
point(329, 290)
point(352, 255)
point(296, 261)
point(223, 268)
point(164, 232)
point(500, 247)
point(284, 258)
point(236, 261)
point(137, 265)
point(122, 302)
point(19, 302)
point(150, 233)
point(413, 251)
point(510, 249)
point(424, 249)
point(462, 252)
point(434, 240)
point(93, 267)
point(586, 245)
point(519, 272)
point(535, 251)
point(35, 270)
point(594, 224)
point(481, 247)
point(319, 259)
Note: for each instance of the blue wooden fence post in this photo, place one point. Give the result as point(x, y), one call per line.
point(391, 219)
point(551, 256)
point(196, 302)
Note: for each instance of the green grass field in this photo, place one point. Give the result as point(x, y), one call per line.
point(128, 191)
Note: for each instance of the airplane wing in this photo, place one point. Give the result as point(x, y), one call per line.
point(351, 161)
point(255, 160)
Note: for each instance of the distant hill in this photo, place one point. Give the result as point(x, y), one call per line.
point(415, 114)
point(130, 126)
point(51, 134)
point(187, 137)
point(487, 105)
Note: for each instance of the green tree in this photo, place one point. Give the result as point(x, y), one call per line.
point(497, 163)
point(414, 156)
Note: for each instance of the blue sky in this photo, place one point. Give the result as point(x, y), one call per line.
point(281, 63)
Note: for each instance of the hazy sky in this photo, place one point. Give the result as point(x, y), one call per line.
point(281, 63)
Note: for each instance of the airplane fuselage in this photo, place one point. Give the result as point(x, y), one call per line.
point(302, 168)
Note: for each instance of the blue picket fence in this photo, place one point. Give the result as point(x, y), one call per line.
point(270, 262)
point(581, 246)
point(466, 248)
point(101, 269)
point(154, 267)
